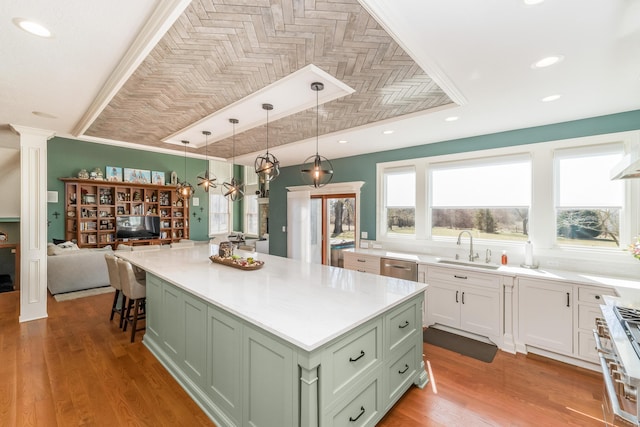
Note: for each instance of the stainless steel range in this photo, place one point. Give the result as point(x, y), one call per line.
point(617, 337)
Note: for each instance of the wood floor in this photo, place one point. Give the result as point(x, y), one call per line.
point(78, 369)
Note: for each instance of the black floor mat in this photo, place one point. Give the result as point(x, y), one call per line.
point(463, 345)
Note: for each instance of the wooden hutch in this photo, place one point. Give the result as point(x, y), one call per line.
point(92, 208)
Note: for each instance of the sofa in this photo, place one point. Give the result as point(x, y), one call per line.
point(71, 269)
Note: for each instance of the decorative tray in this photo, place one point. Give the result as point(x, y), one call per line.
point(240, 263)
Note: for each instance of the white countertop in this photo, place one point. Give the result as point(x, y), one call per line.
point(305, 304)
point(512, 270)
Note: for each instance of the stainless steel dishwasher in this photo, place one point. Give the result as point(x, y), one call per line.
point(399, 269)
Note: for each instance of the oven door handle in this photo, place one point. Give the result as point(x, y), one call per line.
point(608, 384)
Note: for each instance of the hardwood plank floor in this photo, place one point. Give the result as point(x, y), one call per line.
point(76, 368)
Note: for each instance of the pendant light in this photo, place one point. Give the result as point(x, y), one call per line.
point(233, 190)
point(185, 190)
point(317, 171)
point(267, 166)
point(206, 180)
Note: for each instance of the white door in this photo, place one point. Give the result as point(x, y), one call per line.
point(546, 314)
point(480, 311)
point(443, 304)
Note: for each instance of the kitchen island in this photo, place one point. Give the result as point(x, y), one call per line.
point(286, 345)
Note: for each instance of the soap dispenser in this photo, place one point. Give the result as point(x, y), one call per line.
point(504, 258)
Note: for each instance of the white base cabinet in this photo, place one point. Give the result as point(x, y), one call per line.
point(465, 300)
point(559, 317)
point(242, 375)
point(546, 314)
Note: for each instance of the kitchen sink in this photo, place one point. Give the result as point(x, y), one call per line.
point(469, 264)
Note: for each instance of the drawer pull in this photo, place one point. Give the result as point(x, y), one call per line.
point(359, 415)
point(404, 325)
point(459, 277)
point(362, 271)
point(351, 359)
point(406, 368)
point(362, 260)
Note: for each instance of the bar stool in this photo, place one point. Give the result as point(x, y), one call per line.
point(135, 290)
point(114, 281)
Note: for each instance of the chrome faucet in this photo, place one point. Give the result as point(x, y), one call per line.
point(472, 256)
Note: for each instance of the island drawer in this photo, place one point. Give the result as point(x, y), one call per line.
point(351, 358)
point(362, 410)
point(593, 294)
point(462, 277)
point(400, 372)
point(362, 263)
point(401, 324)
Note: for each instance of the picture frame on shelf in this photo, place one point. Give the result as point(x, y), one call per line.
point(137, 176)
point(157, 177)
point(114, 173)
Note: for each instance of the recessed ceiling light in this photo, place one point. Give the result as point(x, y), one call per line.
point(387, 132)
point(548, 61)
point(532, 2)
point(550, 98)
point(342, 141)
point(32, 27)
point(451, 119)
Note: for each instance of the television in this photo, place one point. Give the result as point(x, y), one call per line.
point(134, 227)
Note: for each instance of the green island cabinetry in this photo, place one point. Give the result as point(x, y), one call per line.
point(243, 375)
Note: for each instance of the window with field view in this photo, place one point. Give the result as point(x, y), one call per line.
point(489, 197)
point(400, 201)
point(588, 203)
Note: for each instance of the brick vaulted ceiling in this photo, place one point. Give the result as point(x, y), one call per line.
point(220, 51)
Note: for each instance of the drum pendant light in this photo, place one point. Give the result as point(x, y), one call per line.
point(206, 180)
point(185, 190)
point(267, 165)
point(233, 190)
point(317, 171)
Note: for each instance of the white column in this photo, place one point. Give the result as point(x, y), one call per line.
point(33, 222)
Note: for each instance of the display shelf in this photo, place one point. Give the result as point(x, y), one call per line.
point(92, 208)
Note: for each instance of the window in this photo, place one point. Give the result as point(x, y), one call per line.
point(219, 206)
point(490, 197)
point(588, 203)
point(251, 214)
point(400, 201)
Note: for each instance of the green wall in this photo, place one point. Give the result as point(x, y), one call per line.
point(65, 158)
point(363, 167)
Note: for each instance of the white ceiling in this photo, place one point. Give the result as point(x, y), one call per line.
point(479, 52)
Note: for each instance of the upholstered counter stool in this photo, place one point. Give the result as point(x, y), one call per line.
point(114, 281)
point(135, 290)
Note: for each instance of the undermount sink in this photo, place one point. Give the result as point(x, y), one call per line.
point(469, 264)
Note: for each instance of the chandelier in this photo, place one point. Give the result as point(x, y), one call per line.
point(233, 190)
point(206, 180)
point(266, 165)
point(185, 190)
point(317, 171)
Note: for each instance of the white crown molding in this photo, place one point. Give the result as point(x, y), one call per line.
point(385, 14)
point(163, 17)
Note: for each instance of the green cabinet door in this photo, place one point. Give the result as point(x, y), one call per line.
point(269, 381)
point(224, 363)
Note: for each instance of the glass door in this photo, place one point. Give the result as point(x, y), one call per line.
point(333, 227)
